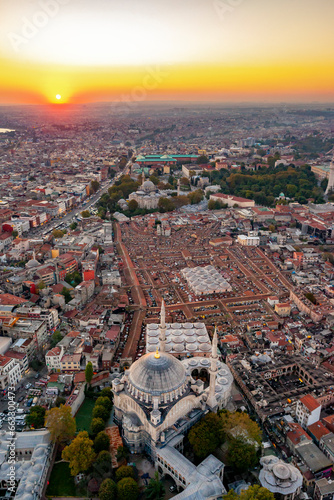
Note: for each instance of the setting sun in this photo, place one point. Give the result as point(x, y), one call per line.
point(58, 96)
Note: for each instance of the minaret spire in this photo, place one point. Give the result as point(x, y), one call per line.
point(212, 402)
point(162, 327)
point(143, 176)
point(330, 185)
point(178, 187)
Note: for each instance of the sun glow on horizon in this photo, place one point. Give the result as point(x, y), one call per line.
point(85, 51)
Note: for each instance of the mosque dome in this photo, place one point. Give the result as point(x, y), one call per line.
point(32, 262)
point(148, 187)
point(156, 374)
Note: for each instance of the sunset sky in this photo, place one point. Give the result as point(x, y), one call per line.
point(217, 50)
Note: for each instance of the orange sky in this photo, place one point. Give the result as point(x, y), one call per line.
point(227, 50)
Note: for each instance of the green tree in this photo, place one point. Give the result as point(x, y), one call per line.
point(101, 442)
point(212, 205)
point(239, 425)
point(73, 226)
point(252, 493)
point(155, 489)
point(106, 392)
point(79, 453)
point(241, 455)
point(108, 490)
point(57, 233)
point(67, 294)
point(104, 401)
point(41, 285)
point(154, 179)
point(55, 338)
point(180, 201)
point(201, 160)
point(60, 423)
point(97, 425)
point(89, 372)
point(103, 457)
point(310, 296)
point(122, 454)
point(101, 412)
point(15, 233)
point(95, 186)
point(132, 205)
point(184, 181)
point(206, 435)
point(124, 471)
point(127, 489)
point(60, 401)
point(195, 196)
point(73, 279)
point(36, 417)
point(165, 205)
point(85, 214)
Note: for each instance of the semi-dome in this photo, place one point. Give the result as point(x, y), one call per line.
point(157, 373)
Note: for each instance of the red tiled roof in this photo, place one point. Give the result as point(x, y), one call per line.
point(79, 377)
point(54, 352)
point(297, 434)
point(309, 401)
point(318, 430)
point(6, 299)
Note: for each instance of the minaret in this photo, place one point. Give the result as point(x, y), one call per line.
point(178, 187)
point(212, 402)
point(330, 185)
point(143, 177)
point(162, 327)
point(57, 274)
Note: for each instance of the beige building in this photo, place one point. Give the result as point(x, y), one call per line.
point(248, 241)
point(70, 362)
point(231, 200)
point(283, 309)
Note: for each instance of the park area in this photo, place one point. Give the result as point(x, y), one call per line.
point(61, 483)
point(84, 416)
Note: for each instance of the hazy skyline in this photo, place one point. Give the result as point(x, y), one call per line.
point(229, 50)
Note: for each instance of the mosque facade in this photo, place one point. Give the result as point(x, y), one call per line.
point(158, 399)
point(147, 195)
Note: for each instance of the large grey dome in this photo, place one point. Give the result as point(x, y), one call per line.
point(157, 374)
point(148, 186)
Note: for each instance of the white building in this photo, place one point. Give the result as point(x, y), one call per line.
point(205, 280)
point(282, 479)
point(248, 241)
point(159, 390)
point(53, 358)
point(10, 372)
point(308, 411)
point(33, 456)
point(147, 195)
point(158, 399)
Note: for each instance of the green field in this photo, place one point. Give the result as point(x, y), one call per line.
point(61, 483)
point(84, 416)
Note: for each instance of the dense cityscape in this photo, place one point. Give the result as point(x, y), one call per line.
point(167, 301)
